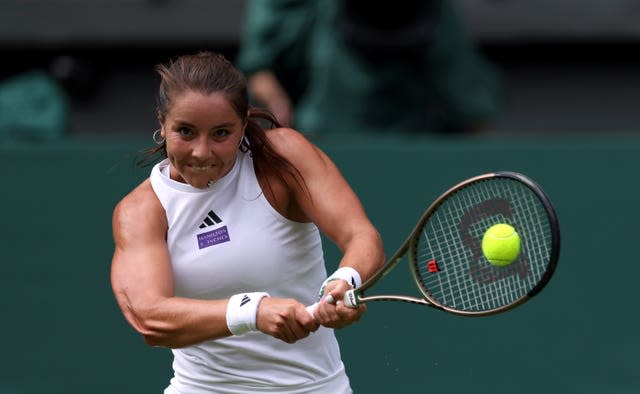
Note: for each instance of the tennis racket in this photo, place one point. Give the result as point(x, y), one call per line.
point(445, 254)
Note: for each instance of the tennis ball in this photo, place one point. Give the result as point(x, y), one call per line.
point(501, 244)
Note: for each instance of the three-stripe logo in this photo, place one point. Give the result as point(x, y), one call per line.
point(210, 220)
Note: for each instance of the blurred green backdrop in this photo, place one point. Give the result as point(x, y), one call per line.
point(62, 331)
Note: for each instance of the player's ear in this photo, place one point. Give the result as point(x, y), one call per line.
point(160, 116)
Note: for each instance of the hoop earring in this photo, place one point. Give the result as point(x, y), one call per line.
point(157, 138)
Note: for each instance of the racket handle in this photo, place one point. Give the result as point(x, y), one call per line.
point(350, 299)
point(312, 308)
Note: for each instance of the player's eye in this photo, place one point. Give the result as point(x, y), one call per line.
point(221, 133)
point(185, 132)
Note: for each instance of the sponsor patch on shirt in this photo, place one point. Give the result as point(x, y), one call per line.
point(213, 237)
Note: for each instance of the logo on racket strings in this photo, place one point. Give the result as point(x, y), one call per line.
point(487, 274)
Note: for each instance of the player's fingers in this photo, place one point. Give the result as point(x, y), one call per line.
point(329, 315)
point(298, 325)
point(327, 310)
point(307, 318)
point(286, 333)
point(349, 315)
point(320, 314)
point(287, 320)
point(292, 330)
point(298, 331)
point(345, 312)
point(329, 299)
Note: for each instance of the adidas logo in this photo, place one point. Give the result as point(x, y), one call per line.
point(244, 300)
point(210, 220)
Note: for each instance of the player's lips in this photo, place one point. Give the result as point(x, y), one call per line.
point(201, 168)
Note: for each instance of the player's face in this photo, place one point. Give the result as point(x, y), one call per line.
point(202, 135)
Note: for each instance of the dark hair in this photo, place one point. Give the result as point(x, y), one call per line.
point(209, 72)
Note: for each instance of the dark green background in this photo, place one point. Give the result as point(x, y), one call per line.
point(62, 331)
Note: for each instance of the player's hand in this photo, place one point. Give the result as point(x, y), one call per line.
point(335, 314)
point(284, 319)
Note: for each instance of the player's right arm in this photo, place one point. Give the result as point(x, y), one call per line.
point(142, 281)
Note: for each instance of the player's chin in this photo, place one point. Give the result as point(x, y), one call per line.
point(199, 183)
point(199, 180)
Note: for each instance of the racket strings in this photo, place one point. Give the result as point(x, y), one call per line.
point(464, 279)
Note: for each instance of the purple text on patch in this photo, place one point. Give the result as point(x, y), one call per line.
point(213, 237)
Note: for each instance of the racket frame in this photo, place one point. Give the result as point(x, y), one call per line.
point(356, 296)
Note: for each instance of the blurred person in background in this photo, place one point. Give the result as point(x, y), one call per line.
point(38, 91)
point(34, 107)
point(371, 66)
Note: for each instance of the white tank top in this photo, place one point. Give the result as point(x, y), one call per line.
point(228, 239)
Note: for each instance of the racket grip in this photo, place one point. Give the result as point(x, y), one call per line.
point(312, 308)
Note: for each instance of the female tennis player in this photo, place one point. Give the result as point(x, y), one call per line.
point(218, 252)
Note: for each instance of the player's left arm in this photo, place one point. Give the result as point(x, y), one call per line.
point(327, 199)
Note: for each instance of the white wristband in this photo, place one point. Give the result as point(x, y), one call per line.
point(242, 310)
point(346, 273)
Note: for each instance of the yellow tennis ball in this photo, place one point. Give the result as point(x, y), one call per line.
point(501, 244)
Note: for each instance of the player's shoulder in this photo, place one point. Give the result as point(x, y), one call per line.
point(285, 136)
point(292, 144)
point(140, 202)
